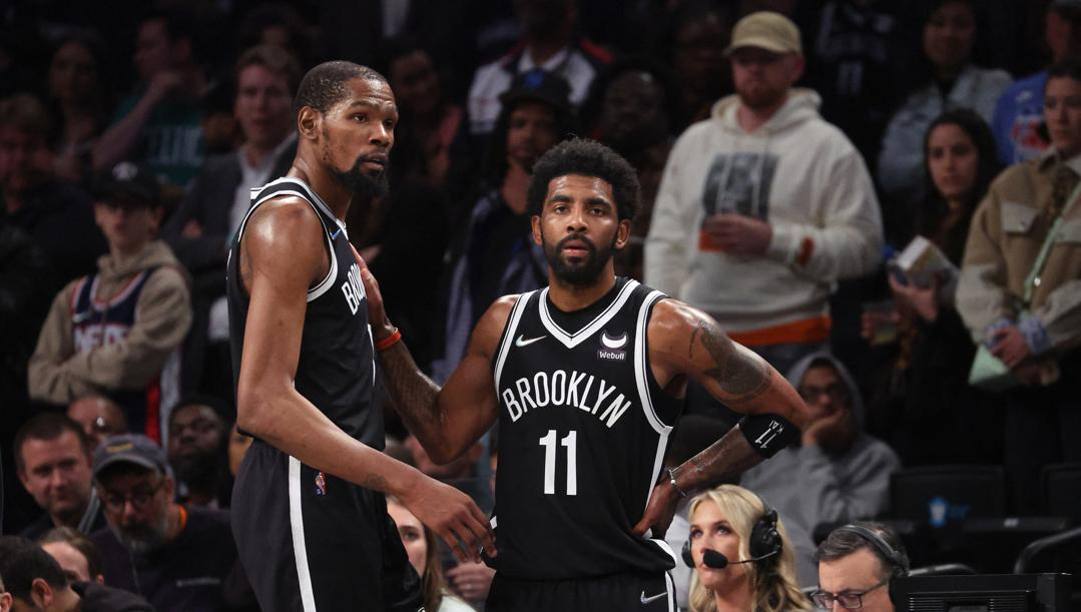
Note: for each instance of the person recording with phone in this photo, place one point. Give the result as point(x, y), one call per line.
point(741, 554)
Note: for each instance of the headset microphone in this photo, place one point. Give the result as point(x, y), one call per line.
point(716, 560)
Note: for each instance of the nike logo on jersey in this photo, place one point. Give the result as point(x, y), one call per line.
point(645, 600)
point(521, 341)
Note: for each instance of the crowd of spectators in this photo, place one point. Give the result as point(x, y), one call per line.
point(788, 151)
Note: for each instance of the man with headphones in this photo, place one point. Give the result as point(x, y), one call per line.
point(856, 565)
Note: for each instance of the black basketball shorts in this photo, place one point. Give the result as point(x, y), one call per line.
point(615, 593)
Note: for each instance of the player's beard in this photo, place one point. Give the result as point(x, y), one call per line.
point(361, 184)
point(584, 273)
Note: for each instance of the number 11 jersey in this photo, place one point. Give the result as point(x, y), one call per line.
point(583, 429)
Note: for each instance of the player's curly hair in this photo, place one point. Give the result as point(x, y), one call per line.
point(585, 157)
point(324, 86)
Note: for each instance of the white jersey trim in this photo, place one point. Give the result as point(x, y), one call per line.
point(641, 378)
point(570, 340)
point(508, 337)
point(317, 203)
point(296, 525)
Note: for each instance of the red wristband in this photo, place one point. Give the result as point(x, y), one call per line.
point(389, 341)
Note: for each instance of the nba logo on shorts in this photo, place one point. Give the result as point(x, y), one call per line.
point(320, 484)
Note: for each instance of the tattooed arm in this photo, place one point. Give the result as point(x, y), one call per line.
point(685, 343)
point(445, 421)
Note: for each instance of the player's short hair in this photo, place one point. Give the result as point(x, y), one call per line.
point(22, 562)
point(47, 426)
point(273, 58)
point(325, 85)
point(585, 157)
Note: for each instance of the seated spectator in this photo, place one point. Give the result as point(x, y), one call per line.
point(35, 581)
point(422, 547)
point(199, 231)
point(197, 452)
point(1019, 111)
point(160, 125)
point(494, 254)
point(764, 206)
point(52, 460)
point(1026, 311)
point(722, 521)
point(280, 25)
point(429, 121)
point(179, 558)
point(856, 564)
point(949, 80)
point(548, 43)
point(79, 92)
point(922, 397)
point(633, 100)
point(837, 473)
point(99, 416)
point(115, 332)
point(58, 216)
point(75, 554)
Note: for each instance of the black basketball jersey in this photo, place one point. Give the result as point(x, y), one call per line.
point(583, 428)
point(336, 370)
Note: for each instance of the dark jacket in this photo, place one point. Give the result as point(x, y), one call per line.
point(100, 598)
point(189, 573)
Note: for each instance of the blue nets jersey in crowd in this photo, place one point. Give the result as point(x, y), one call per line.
point(583, 428)
point(336, 369)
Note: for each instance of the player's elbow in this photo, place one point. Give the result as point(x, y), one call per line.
point(253, 407)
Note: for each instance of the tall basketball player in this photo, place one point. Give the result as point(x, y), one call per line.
point(309, 515)
point(585, 378)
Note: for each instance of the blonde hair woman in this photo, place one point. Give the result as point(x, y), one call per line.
point(723, 520)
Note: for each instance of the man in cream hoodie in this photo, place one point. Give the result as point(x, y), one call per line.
point(115, 332)
point(764, 206)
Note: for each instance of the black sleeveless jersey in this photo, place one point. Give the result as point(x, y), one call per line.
point(336, 370)
point(583, 428)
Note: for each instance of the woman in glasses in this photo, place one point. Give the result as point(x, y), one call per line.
point(742, 555)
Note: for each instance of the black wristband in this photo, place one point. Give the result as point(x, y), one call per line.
point(768, 433)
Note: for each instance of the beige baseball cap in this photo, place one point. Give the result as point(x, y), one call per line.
point(766, 30)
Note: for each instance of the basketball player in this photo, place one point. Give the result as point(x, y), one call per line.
point(309, 515)
point(585, 378)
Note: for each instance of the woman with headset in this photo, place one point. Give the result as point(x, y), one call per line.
point(741, 554)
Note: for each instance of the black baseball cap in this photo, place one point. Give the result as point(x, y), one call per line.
point(128, 184)
point(539, 85)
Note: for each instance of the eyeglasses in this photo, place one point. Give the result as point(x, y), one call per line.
point(847, 599)
point(138, 498)
point(836, 392)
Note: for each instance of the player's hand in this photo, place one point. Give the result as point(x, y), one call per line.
point(1009, 345)
point(739, 234)
point(659, 511)
point(471, 580)
point(452, 516)
point(377, 315)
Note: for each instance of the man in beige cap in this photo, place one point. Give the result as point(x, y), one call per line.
point(764, 206)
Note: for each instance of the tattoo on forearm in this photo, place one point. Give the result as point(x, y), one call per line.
point(414, 394)
point(724, 459)
point(739, 373)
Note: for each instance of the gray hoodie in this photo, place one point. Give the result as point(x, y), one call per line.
point(808, 487)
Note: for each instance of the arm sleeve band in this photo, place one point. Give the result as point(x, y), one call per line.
point(768, 433)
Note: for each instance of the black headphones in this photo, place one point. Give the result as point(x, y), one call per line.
point(765, 542)
point(897, 559)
